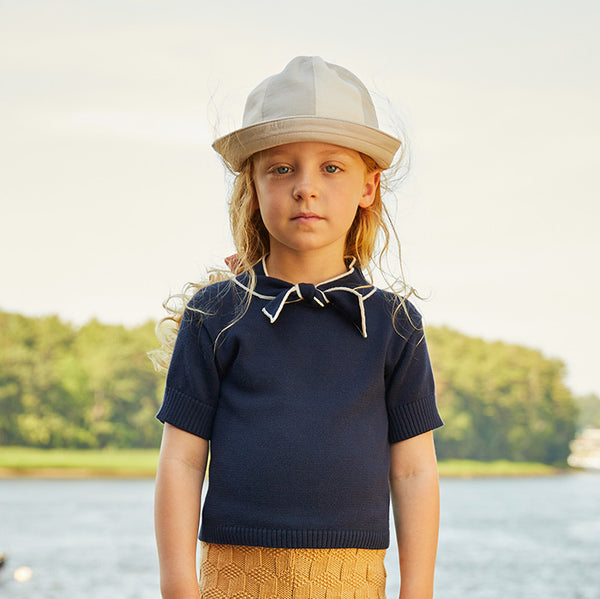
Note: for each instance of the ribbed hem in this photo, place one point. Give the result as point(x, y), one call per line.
point(295, 539)
point(412, 419)
point(186, 413)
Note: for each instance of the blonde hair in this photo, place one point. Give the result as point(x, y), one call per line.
point(371, 226)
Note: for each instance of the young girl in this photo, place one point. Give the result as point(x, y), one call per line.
point(312, 388)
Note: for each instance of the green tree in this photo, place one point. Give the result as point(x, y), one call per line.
point(37, 408)
point(63, 387)
point(122, 389)
point(500, 401)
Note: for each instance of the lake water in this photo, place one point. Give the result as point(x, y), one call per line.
point(500, 538)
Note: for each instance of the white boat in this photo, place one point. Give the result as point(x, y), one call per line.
point(585, 450)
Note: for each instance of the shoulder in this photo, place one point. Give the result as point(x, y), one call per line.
point(399, 312)
point(210, 301)
point(210, 293)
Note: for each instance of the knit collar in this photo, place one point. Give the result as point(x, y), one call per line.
point(346, 293)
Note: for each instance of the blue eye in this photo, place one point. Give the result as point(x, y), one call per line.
point(332, 168)
point(282, 170)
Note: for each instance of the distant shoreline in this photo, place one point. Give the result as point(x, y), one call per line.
point(26, 462)
point(29, 462)
point(71, 473)
point(498, 468)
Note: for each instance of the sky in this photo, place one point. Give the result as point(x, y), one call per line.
point(111, 197)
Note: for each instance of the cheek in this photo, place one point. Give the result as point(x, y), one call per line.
point(268, 211)
point(259, 202)
point(267, 201)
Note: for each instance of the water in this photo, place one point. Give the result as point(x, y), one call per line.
point(500, 538)
point(520, 538)
point(87, 539)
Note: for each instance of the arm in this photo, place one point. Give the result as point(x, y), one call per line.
point(414, 489)
point(181, 467)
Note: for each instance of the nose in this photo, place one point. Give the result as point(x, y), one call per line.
point(306, 186)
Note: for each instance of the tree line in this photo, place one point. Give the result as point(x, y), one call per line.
point(87, 387)
point(500, 400)
point(94, 387)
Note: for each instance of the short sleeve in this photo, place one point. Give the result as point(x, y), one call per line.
point(192, 386)
point(410, 388)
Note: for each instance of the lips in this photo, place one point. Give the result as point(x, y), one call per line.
point(307, 217)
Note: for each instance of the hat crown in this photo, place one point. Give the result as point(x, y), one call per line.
point(309, 101)
point(309, 86)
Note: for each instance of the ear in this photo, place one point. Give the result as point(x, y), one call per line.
point(372, 180)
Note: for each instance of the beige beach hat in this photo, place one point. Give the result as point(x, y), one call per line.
point(310, 100)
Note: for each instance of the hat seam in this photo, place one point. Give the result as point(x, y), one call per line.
point(314, 89)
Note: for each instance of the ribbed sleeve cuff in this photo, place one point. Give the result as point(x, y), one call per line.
point(412, 419)
point(186, 413)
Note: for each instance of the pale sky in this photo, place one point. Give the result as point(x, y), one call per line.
point(111, 197)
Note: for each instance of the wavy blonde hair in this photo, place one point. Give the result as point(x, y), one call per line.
point(371, 226)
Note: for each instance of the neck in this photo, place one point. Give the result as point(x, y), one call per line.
point(304, 268)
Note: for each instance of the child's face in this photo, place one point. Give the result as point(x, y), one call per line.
point(308, 195)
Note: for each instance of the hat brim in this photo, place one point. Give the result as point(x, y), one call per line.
point(239, 145)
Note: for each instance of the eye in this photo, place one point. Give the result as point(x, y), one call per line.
point(332, 168)
point(282, 170)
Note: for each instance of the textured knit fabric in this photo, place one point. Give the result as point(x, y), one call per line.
point(228, 571)
point(300, 398)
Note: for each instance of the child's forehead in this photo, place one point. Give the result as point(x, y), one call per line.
point(309, 149)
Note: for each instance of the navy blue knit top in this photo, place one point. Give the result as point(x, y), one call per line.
point(300, 398)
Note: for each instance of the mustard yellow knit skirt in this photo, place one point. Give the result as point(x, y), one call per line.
point(240, 572)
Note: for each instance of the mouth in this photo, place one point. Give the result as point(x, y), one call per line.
point(307, 217)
